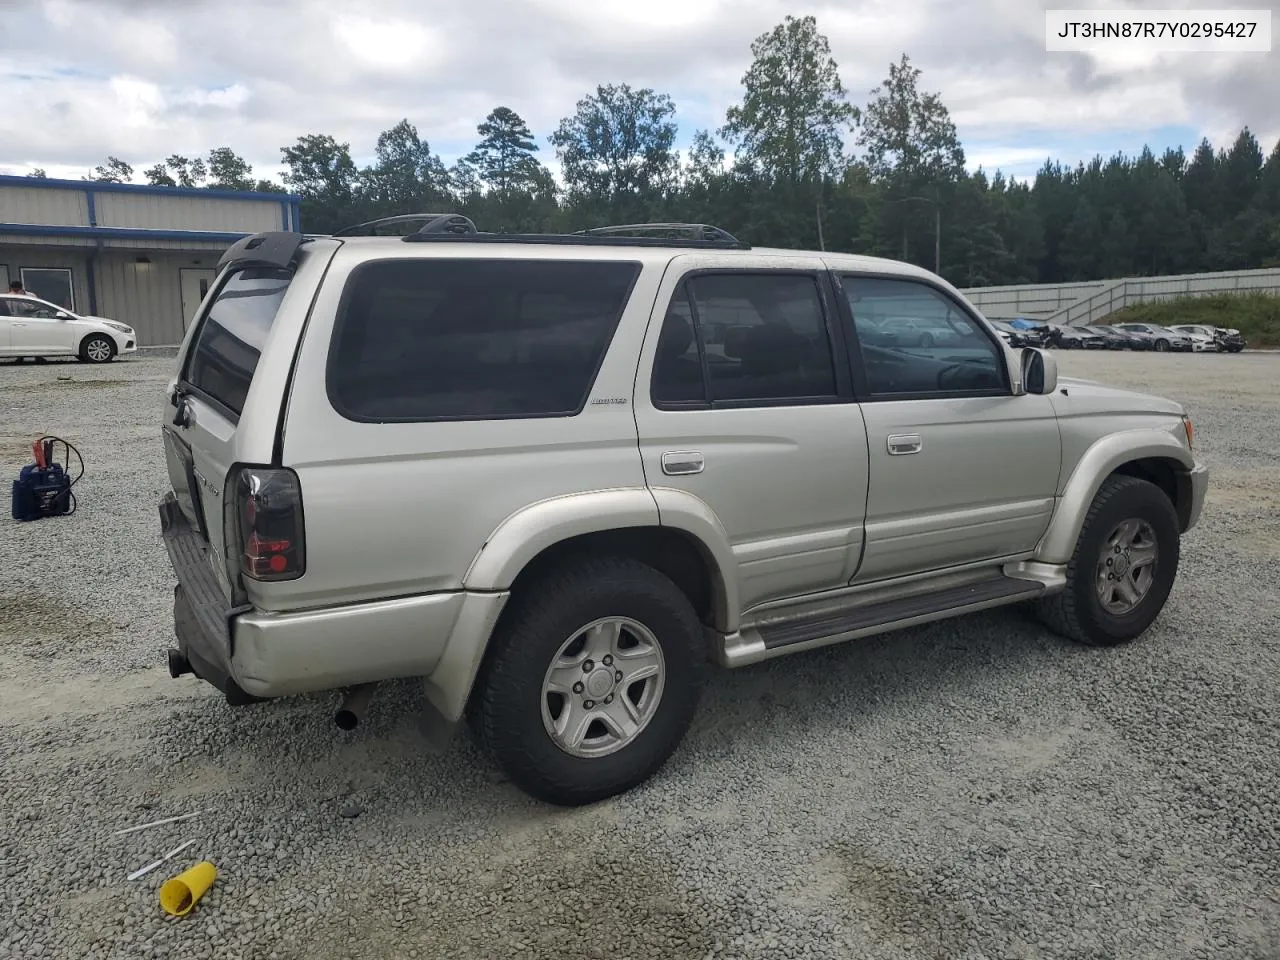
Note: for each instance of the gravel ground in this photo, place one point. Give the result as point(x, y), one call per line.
point(976, 788)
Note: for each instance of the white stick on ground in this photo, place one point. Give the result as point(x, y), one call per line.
point(156, 823)
point(168, 856)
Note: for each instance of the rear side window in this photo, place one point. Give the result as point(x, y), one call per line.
point(227, 346)
point(473, 339)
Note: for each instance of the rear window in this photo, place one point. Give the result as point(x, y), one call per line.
point(473, 339)
point(227, 346)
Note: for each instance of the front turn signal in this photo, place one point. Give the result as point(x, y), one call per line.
point(1191, 431)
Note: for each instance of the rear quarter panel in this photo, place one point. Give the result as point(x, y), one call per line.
point(396, 509)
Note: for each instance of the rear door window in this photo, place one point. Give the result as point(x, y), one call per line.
point(226, 349)
point(448, 339)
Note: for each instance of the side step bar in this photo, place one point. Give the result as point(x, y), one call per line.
point(774, 639)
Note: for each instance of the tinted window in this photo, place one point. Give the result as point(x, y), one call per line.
point(914, 340)
point(758, 337)
point(229, 342)
point(473, 339)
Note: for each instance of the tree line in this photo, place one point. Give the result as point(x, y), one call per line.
point(793, 181)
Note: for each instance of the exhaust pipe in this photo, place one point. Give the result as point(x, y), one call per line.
point(178, 664)
point(353, 706)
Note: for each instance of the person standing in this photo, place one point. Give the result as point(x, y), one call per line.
point(16, 288)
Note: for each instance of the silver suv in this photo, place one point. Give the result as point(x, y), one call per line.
point(552, 475)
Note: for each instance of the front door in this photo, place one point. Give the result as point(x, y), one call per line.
point(961, 470)
point(195, 285)
point(744, 401)
point(35, 328)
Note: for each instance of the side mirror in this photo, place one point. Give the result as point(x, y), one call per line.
point(1039, 371)
point(62, 315)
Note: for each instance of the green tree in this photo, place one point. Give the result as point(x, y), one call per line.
point(912, 149)
point(37, 173)
point(908, 135)
point(1200, 182)
point(114, 170)
point(323, 174)
point(616, 152)
point(794, 113)
point(229, 171)
point(504, 157)
point(159, 176)
point(1115, 254)
point(1239, 173)
point(1079, 253)
point(406, 176)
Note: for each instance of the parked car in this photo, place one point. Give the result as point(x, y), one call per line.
point(1160, 338)
point(1224, 339)
point(1072, 338)
point(1017, 338)
point(31, 327)
point(507, 465)
point(1032, 331)
point(1118, 339)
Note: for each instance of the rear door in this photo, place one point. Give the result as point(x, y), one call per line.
point(744, 400)
point(224, 405)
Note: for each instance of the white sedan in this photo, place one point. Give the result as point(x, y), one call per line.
point(31, 327)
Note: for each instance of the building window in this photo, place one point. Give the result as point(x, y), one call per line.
point(50, 283)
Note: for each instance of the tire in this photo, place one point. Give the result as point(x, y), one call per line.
point(1162, 346)
point(97, 348)
point(1078, 612)
point(547, 622)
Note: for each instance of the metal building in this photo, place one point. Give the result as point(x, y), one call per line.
point(139, 254)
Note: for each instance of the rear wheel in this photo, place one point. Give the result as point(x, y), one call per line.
point(1123, 567)
point(1162, 346)
point(591, 680)
point(97, 348)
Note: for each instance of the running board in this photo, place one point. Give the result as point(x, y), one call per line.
point(774, 639)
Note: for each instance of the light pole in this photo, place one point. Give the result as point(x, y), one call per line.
point(937, 230)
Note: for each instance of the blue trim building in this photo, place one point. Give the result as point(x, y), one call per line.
point(140, 254)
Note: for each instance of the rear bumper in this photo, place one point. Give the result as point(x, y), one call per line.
point(251, 654)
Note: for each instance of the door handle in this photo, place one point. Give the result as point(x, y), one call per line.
point(901, 444)
point(682, 462)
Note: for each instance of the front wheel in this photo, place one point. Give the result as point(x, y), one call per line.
point(97, 348)
point(1162, 346)
point(591, 680)
point(1123, 567)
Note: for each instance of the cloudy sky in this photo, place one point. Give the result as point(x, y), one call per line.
point(143, 79)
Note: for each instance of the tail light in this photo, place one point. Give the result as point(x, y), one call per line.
point(264, 530)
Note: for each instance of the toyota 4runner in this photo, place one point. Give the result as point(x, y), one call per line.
point(552, 475)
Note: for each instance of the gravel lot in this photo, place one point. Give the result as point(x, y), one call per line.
point(976, 788)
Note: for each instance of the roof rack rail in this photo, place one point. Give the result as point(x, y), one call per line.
point(698, 232)
point(431, 223)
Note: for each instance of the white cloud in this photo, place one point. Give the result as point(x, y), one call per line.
point(142, 79)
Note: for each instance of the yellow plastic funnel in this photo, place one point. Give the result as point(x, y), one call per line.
point(180, 894)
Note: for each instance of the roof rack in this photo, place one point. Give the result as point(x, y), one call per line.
point(448, 224)
point(689, 235)
point(700, 232)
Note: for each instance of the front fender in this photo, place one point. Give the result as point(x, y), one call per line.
point(1098, 463)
